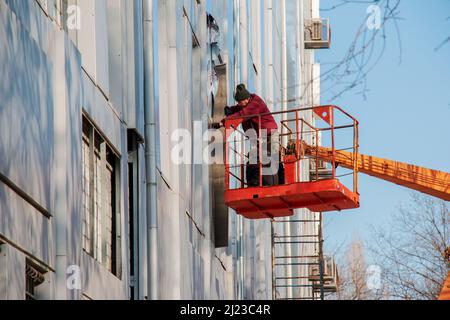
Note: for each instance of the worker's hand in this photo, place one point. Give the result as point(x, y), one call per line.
point(216, 125)
point(228, 111)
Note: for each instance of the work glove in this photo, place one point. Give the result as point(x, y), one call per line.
point(228, 111)
point(216, 125)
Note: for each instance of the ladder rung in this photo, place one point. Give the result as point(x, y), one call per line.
point(297, 221)
point(290, 278)
point(302, 236)
point(297, 257)
point(293, 299)
point(293, 286)
point(298, 264)
point(295, 242)
point(297, 260)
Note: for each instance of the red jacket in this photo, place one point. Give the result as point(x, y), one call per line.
point(256, 106)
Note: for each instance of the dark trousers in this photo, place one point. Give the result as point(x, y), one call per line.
point(252, 176)
point(252, 171)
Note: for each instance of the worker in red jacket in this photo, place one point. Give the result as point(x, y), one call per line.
point(249, 105)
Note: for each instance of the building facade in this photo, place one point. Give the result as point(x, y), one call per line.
point(91, 204)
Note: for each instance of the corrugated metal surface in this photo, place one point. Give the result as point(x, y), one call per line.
point(191, 223)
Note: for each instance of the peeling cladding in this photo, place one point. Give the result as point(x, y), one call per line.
point(98, 71)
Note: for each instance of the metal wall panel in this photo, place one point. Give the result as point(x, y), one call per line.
point(87, 42)
point(102, 48)
point(26, 111)
point(24, 226)
point(116, 72)
point(12, 273)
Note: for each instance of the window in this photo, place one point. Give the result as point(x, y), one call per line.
point(101, 222)
point(33, 279)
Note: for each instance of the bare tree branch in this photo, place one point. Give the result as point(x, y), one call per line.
point(351, 72)
point(443, 43)
point(412, 253)
point(353, 276)
point(363, 55)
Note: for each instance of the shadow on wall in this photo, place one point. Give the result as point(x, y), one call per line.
point(31, 18)
point(26, 111)
point(26, 130)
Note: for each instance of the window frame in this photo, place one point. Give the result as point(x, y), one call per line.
point(104, 191)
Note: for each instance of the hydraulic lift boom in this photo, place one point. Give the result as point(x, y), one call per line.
point(432, 182)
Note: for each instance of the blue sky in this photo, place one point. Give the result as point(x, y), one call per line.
point(405, 115)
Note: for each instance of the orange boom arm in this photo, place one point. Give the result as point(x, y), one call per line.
point(432, 182)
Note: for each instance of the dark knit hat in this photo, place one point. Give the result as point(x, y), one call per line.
point(241, 93)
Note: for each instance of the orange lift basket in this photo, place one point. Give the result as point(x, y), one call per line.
point(323, 191)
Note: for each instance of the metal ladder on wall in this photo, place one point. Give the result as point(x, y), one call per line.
point(306, 279)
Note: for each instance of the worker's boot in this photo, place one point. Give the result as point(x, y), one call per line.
point(281, 176)
point(252, 175)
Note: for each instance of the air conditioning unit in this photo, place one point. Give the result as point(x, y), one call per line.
point(317, 34)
